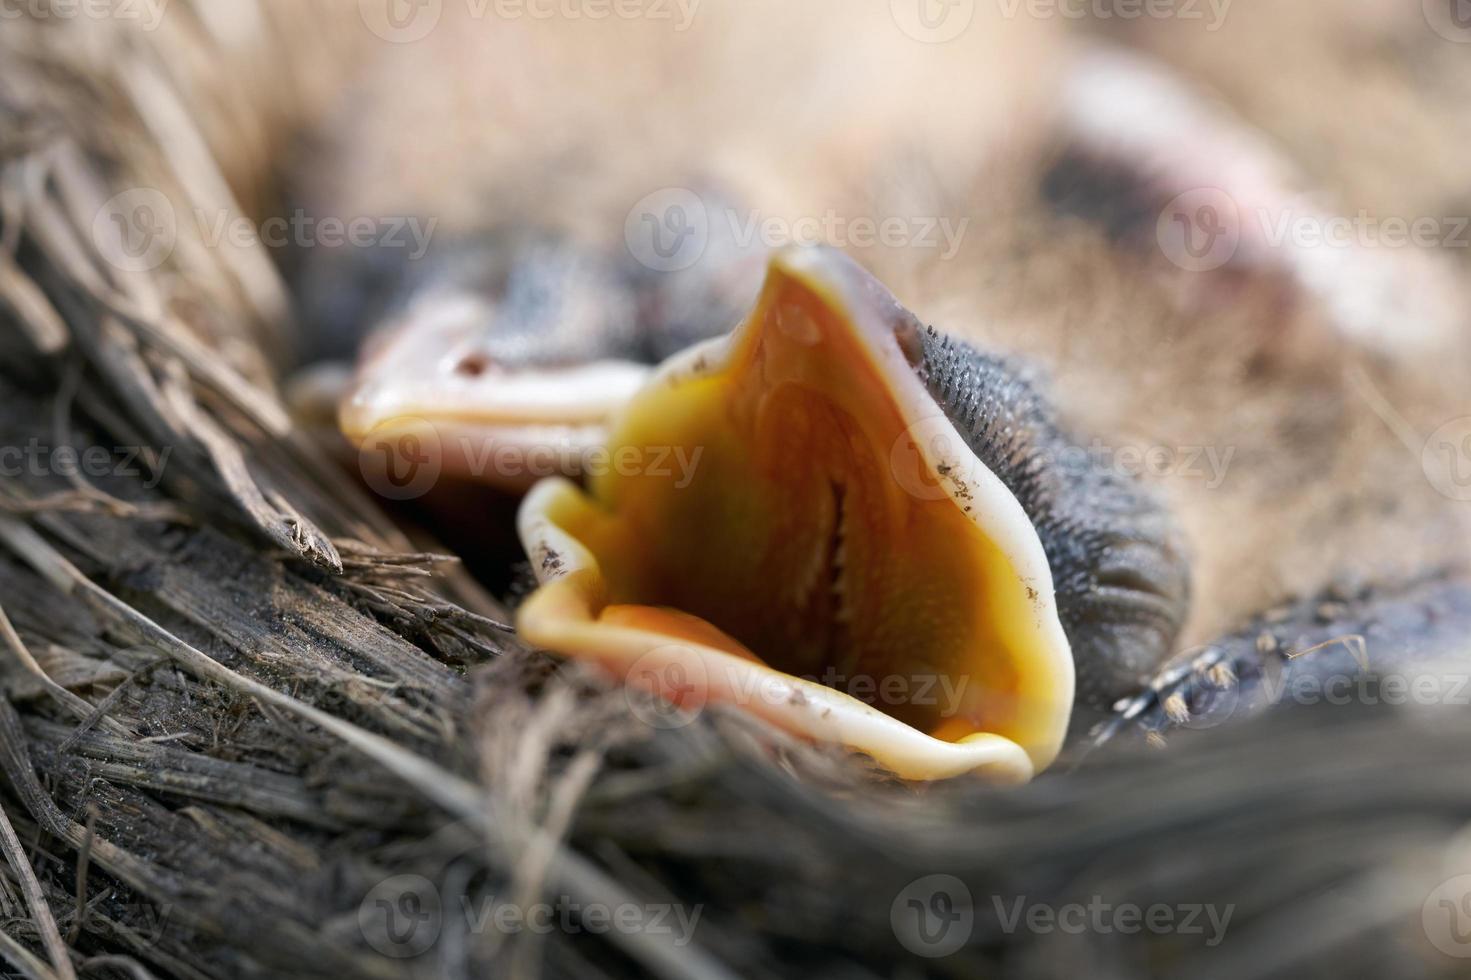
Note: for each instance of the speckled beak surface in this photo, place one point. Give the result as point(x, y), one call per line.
point(835, 560)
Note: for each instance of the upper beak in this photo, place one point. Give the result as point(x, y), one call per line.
point(797, 529)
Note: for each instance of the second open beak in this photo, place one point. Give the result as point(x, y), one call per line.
point(436, 369)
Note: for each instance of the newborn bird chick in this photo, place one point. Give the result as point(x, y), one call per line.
point(1141, 352)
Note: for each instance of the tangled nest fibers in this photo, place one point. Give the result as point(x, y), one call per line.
point(250, 729)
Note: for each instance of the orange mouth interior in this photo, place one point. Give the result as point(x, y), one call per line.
point(816, 535)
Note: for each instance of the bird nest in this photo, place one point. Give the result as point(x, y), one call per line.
point(251, 728)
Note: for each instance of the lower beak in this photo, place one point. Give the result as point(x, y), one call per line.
point(833, 558)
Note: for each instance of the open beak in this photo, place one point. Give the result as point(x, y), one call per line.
point(830, 556)
point(501, 422)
